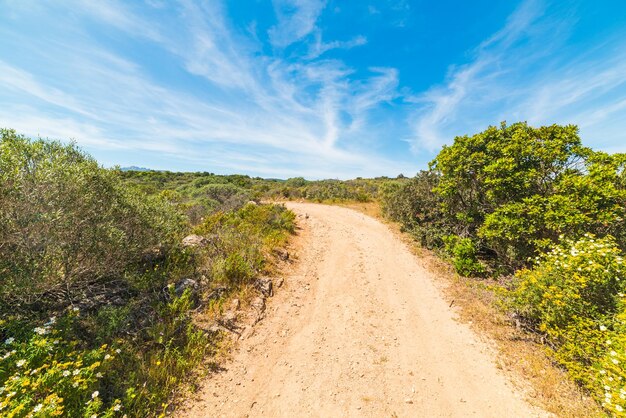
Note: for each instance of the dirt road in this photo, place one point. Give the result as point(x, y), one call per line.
point(358, 329)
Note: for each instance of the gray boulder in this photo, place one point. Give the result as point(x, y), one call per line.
point(264, 286)
point(184, 284)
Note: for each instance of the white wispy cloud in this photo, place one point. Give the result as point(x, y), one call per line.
point(518, 73)
point(228, 102)
point(21, 81)
point(318, 47)
point(296, 20)
point(441, 106)
point(278, 110)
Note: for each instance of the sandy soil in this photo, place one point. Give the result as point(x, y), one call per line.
point(358, 329)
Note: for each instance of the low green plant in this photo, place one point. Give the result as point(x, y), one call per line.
point(173, 348)
point(49, 371)
point(464, 256)
point(45, 372)
point(235, 269)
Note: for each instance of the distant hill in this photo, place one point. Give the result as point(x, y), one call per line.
point(135, 168)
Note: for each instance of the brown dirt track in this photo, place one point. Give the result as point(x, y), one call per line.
point(359, 328)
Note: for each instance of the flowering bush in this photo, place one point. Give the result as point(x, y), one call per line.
point(44, 374)
point(610, 370)
point(575, 297)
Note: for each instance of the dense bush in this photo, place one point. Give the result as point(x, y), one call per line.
point(589, 200)
point(243, 240)
point(69, 229)
point(501, 165)
point(197, 195)
point(417, 207)
point(535, 200)
point(464, 256)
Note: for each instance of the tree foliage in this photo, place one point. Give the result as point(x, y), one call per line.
point(513, 190)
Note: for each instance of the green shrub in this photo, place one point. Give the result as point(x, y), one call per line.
point(243, 240)
point(147, 379)
point(573, 295)
point(234, 269)
point(417, 207)
point(261, 221)
point(479, 173)
point(69, 228)
point(464, 256)
point(592, 200)
point(514, 190)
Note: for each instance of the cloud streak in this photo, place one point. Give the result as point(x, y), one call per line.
point(441, 106)
point(318, 47)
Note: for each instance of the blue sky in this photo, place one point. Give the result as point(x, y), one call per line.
point(313, 88)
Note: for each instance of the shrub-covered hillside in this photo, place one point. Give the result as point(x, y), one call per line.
point(97, 291)
point(537, 208)
point(197, 194)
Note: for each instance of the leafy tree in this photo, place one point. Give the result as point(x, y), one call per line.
point(513, 190)
point(589, 200)
point(479, 173)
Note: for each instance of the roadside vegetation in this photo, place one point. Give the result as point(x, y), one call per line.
point(100, 294)
point(200, 193)
point(543, 218)
point(98, 290)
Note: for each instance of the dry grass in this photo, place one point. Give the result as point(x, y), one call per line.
point(368, 208)
point(520, 356)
